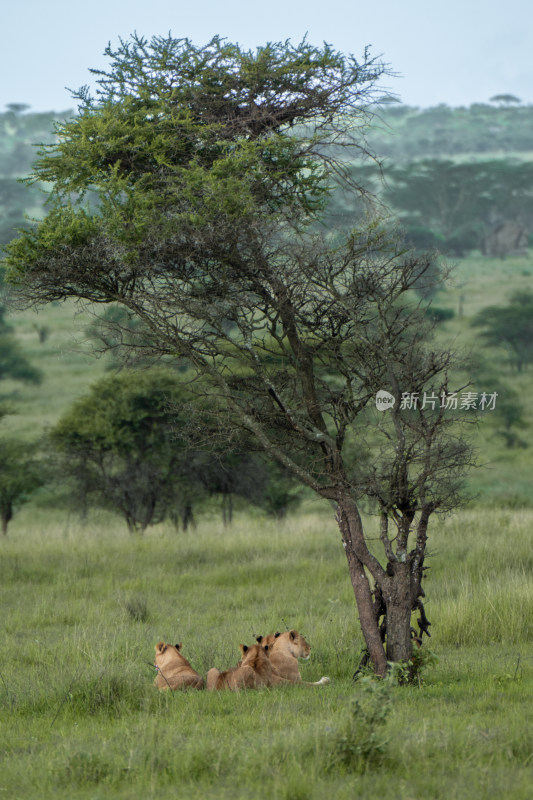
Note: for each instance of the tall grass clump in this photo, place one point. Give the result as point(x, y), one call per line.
point(480, 578)
point(358, 743)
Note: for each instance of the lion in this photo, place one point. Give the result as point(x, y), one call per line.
point(254, 671)
point(284, 650)
point(173, 669)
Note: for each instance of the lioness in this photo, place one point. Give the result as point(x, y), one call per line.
point(252, 672)
point(173, 670)
point(284, 650)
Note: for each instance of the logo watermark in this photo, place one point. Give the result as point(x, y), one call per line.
point(452, 401)
point(384, 400)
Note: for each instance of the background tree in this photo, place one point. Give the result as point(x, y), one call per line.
point(113, 332)
point(510, 327)
point(282, 492)
point(15, 200)
point(209, 163)
point(453, 205)
point(13, 362)
point(21, 473)
point(120, 445)
point(231, 474)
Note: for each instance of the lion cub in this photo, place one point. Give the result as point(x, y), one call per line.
point(254, 671)
point(284, 650)
point(173, 670)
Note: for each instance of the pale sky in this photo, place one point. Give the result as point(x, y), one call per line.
point(456, 52)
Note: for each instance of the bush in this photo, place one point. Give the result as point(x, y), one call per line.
point(359, 743)
point(465, 238)
point(422, 238)
point(440, 314)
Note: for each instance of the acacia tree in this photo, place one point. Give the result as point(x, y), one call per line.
point(511, 327)
point(122, 447)
point(21, 474)
point(209, 165)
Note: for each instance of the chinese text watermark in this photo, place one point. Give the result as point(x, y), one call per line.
point(453, 401)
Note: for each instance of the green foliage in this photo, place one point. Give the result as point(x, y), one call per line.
point(13, 362)
point(18, 134)
point(21, 473)
point(190, 139)
point(121, 445)
point(15, 200)
point(511, 327)
point(281, 493)
point(412, 671)
point(357, 742)
point(411, 133)
point(438, 314)
point(458, 201)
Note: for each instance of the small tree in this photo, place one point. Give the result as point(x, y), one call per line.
point(21, 474)
point(13, 362)
point(119, 444)
point(230, 474)
point(505, 99)
point(510, 327)
point(210, 164)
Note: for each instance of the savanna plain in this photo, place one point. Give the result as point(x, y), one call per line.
point(84, 604)
point(83, 607)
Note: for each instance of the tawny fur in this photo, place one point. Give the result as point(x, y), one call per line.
point(254, 671)
point(284, 650)
point(173, 670)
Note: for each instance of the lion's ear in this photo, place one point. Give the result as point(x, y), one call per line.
point(293, 635)
point(277, 634)
point(160, 648)
point(178, 646)
point(266, 648)
point(258, 639)
point(244, 648)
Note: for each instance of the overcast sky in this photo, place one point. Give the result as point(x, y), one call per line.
point(456, 51)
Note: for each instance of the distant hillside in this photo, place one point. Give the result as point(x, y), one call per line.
point(400, 134)
point(403, 133)
point(20, 134)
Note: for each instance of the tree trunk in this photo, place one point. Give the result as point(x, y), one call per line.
point(399, 604)
point(7, 514)
point(187, 517)
point(227, 508)
point(351, 529)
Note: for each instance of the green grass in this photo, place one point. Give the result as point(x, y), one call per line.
point(84, 604)
point(65, 359)
point(81, 718)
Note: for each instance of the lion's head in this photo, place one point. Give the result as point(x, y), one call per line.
point(291, 642)
point(255, 657)
point(173, 669)
point(168, 655)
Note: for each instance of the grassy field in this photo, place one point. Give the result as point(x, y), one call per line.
point(84, 606)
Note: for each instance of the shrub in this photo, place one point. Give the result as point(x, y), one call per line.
point(359, 743)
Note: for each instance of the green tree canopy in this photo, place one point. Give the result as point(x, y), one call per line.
point(120, 444)
point(13, 363)
point(21, 473)
point(511, 327)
